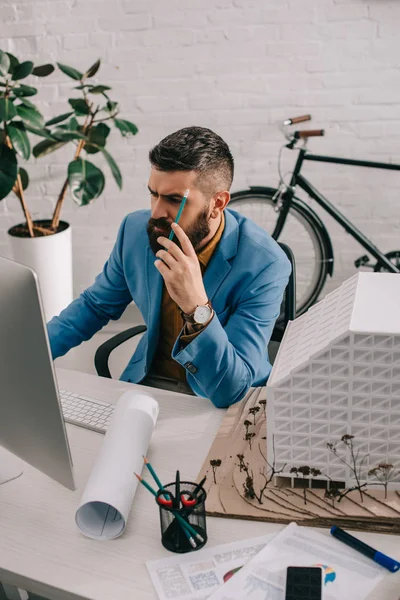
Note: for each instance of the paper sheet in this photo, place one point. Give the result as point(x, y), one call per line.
point(194, 576)
point(347, 573)
point(109, 492)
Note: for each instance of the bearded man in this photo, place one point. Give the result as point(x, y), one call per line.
point(209, 296)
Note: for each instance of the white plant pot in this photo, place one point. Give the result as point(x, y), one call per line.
point(50, 257)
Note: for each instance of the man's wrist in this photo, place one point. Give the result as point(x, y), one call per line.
point(201, 315)
point(189, 308)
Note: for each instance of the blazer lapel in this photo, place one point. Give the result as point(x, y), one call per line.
point(220, 265)
point(154, 283)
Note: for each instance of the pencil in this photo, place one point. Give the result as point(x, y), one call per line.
point(153, 473)
point(178, 490)
point(178, 216)
point(199, 486)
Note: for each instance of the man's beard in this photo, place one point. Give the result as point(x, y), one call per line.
point(196, 232)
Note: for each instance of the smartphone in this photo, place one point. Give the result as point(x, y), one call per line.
point(304, 583)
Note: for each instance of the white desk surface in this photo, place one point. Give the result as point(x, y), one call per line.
point(41, 548)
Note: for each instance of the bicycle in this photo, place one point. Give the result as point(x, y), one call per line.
point(280, 211)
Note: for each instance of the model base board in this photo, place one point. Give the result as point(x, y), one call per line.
point(242, 482)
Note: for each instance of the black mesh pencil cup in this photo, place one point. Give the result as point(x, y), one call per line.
point(183, 519)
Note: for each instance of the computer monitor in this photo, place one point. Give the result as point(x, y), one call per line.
point(31, 421)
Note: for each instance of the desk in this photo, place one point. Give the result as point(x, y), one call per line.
point(41, 548)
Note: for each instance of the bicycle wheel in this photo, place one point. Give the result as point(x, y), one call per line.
point(301, 233)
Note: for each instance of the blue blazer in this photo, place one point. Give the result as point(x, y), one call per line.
point(245, 280)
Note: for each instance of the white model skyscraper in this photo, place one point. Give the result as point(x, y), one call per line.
point(337, 372)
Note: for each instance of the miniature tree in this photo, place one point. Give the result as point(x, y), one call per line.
point(253, 411)
point(268, 475)
point(247, 424)
point(248, 484)
point(215, 463)
point(263, 404)
point(384, 472)
point(249, 438)
point(305, 472)
point(355, 464)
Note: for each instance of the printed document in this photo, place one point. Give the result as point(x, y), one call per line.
point(194, 576)
point(346, 573)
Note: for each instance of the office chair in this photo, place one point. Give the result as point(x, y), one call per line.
point(288, 313)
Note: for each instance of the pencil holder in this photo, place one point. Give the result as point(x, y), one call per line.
point(183, 529)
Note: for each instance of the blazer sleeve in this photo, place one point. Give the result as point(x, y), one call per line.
point(222, 362)
point(106, 299)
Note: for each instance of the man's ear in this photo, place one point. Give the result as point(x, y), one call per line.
point(220, 200)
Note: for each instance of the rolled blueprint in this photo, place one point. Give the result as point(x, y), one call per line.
point(109, 492)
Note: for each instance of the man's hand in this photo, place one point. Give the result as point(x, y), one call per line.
point(181, 271)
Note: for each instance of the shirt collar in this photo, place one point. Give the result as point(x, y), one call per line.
point(206, 253)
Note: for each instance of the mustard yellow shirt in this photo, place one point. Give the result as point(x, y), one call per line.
point(171, 321)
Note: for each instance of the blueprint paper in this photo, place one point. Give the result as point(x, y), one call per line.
point(109, 492)
point(194, 576)
point(347, 573)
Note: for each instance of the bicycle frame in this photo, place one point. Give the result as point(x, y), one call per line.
point(298, 180)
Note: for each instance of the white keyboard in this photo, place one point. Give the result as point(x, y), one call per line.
point(86, 412)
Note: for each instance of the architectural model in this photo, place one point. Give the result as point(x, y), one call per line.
point(336, 379)
point(320, 444)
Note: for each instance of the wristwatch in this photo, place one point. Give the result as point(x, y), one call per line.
point(201, 315)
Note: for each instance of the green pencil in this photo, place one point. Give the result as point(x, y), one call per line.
point(153, 473)
point(178, 216)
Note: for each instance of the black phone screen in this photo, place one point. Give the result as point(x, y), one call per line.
point(303, 583)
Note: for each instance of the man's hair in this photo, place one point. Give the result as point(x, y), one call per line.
point(196, 149)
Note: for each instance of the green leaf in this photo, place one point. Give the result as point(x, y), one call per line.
point(67, 136)
point(28, 103)
point(70, 71)
point(113, 166)
point(82, 87)
point(111, 106)
point(97, 135)
point(126, 127)
point(7, 109)
point(22, 70)
point(59, 119)
point(43, 70)
point(4, 64)
point(17, 132)
point(86, 181)
point(46, 147)
point(93, 69)
point(98, 89)
point(40, 132)
point(79, 105)
point(13, 62)
point(73, 124)
point(8, 170)
point(30, 115)
point(25, 90)
point(24, 178)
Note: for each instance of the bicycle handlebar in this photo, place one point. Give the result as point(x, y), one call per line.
point(306, 133)
point(300, 119)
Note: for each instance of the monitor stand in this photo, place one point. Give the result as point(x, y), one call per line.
point(11, 467)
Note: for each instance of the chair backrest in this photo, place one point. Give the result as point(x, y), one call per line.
point(288, 306)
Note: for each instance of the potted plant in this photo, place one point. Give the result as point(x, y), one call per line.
point(45, 245)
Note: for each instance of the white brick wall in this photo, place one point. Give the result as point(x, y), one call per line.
point(237, 66)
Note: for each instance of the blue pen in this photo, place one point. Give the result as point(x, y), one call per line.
point(178, 216)
point(383, 560)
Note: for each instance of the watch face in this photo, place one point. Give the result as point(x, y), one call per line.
point(202, 314)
